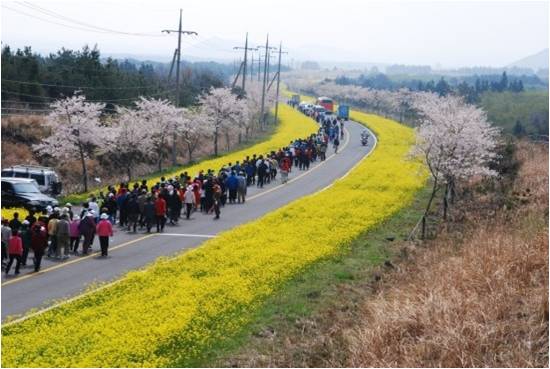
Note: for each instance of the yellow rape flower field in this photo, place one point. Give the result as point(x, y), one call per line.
point(171, 313)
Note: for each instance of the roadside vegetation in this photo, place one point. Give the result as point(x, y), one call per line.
point(474, 294)
point(176, 310)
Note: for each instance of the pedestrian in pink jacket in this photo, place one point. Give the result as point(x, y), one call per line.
point(74, 233)
point(15, 251)
point(104, 230)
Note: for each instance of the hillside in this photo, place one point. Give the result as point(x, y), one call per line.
point(536, 61)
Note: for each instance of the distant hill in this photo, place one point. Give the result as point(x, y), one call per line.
point(536, 61)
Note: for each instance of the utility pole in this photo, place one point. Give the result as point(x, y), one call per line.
point(278, 82)
point(262, 118)
point(266, 77)
point(245, 48)
point(251, 66)
point(179, 32)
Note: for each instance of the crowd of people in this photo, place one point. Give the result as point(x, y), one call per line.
point(61, 232)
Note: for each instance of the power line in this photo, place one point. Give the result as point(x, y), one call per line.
point(87, 28)
point(167, 92)
point(79, 87)
point(60, 16)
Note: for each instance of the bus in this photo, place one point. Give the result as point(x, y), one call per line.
point(326, 102)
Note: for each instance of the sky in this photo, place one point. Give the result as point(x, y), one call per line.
point(439, 33)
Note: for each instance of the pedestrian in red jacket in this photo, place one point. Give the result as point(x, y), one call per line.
point(160, 212)
point(15, 251)
point(104, 230)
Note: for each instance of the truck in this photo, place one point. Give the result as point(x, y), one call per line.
point(45, 177)
point(343, 112)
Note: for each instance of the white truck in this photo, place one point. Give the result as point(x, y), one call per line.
point(46, 178)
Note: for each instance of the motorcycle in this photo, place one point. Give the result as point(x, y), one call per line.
point(364, 140)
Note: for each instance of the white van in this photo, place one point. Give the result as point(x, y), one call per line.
point(46, 178)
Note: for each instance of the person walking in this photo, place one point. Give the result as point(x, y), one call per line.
point(15, 223)
point(25, 234)
point(149, 213)
point(63, 235)
point(6, 235)
point(217, 194)
point(189, 199)
point(39, 242)
point(160, 213)
point(232, 184)
point(241, 189)
point(285, 168)
point(87, 229)
point(52, 234)
point(74, 234)
point(15, 251)
point(104, 230)
point(336, 143)
point(133, 213)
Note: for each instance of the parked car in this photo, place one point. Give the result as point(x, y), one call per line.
point(24, 192)
point(46, 178)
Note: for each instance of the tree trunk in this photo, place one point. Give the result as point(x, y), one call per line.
point(445, 201)
point(190, 151)
point(227, 141)
point(129, 172)
point(432, 196)
point(240, 138)
point(84, 169)
point(216, 142)
point(160, 162)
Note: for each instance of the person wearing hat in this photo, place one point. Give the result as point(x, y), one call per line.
point(25, 232)
point(189, 199)
point(52, 232)
point(74, 233)
point(87, 228)
point(69, 206)
point(63, 237)
point(104, 230)
point(241, 190)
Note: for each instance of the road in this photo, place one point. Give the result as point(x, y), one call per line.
point(62, 280)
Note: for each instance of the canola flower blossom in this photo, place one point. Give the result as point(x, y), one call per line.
point(174, 311)
point(7, 213)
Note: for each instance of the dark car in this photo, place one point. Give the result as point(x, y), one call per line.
point(22, 192)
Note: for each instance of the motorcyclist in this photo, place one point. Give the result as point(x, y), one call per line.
point(364, 137)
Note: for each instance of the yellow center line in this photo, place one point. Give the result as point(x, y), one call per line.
point(67, 263)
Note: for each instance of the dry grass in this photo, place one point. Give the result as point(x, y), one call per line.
point(482, 301)
point(475, 296)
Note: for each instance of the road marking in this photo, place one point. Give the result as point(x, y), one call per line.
point(39, 312)
point(23, 318)
point(66, 263)
point(186, 235)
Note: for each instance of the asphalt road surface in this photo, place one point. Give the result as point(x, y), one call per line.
point(127, 251)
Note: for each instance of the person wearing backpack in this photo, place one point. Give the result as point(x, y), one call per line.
point(39, 242)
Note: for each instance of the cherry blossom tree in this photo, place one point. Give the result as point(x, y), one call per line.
point(127, 141)
point(160, 119)
point(75, 131)
point(456, 142)
point(192, 128)
point(221, 110)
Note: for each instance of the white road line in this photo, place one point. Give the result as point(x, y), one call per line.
point(23, 318)
point(186, 235)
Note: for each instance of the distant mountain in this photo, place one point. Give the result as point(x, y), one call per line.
point(536, 61)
